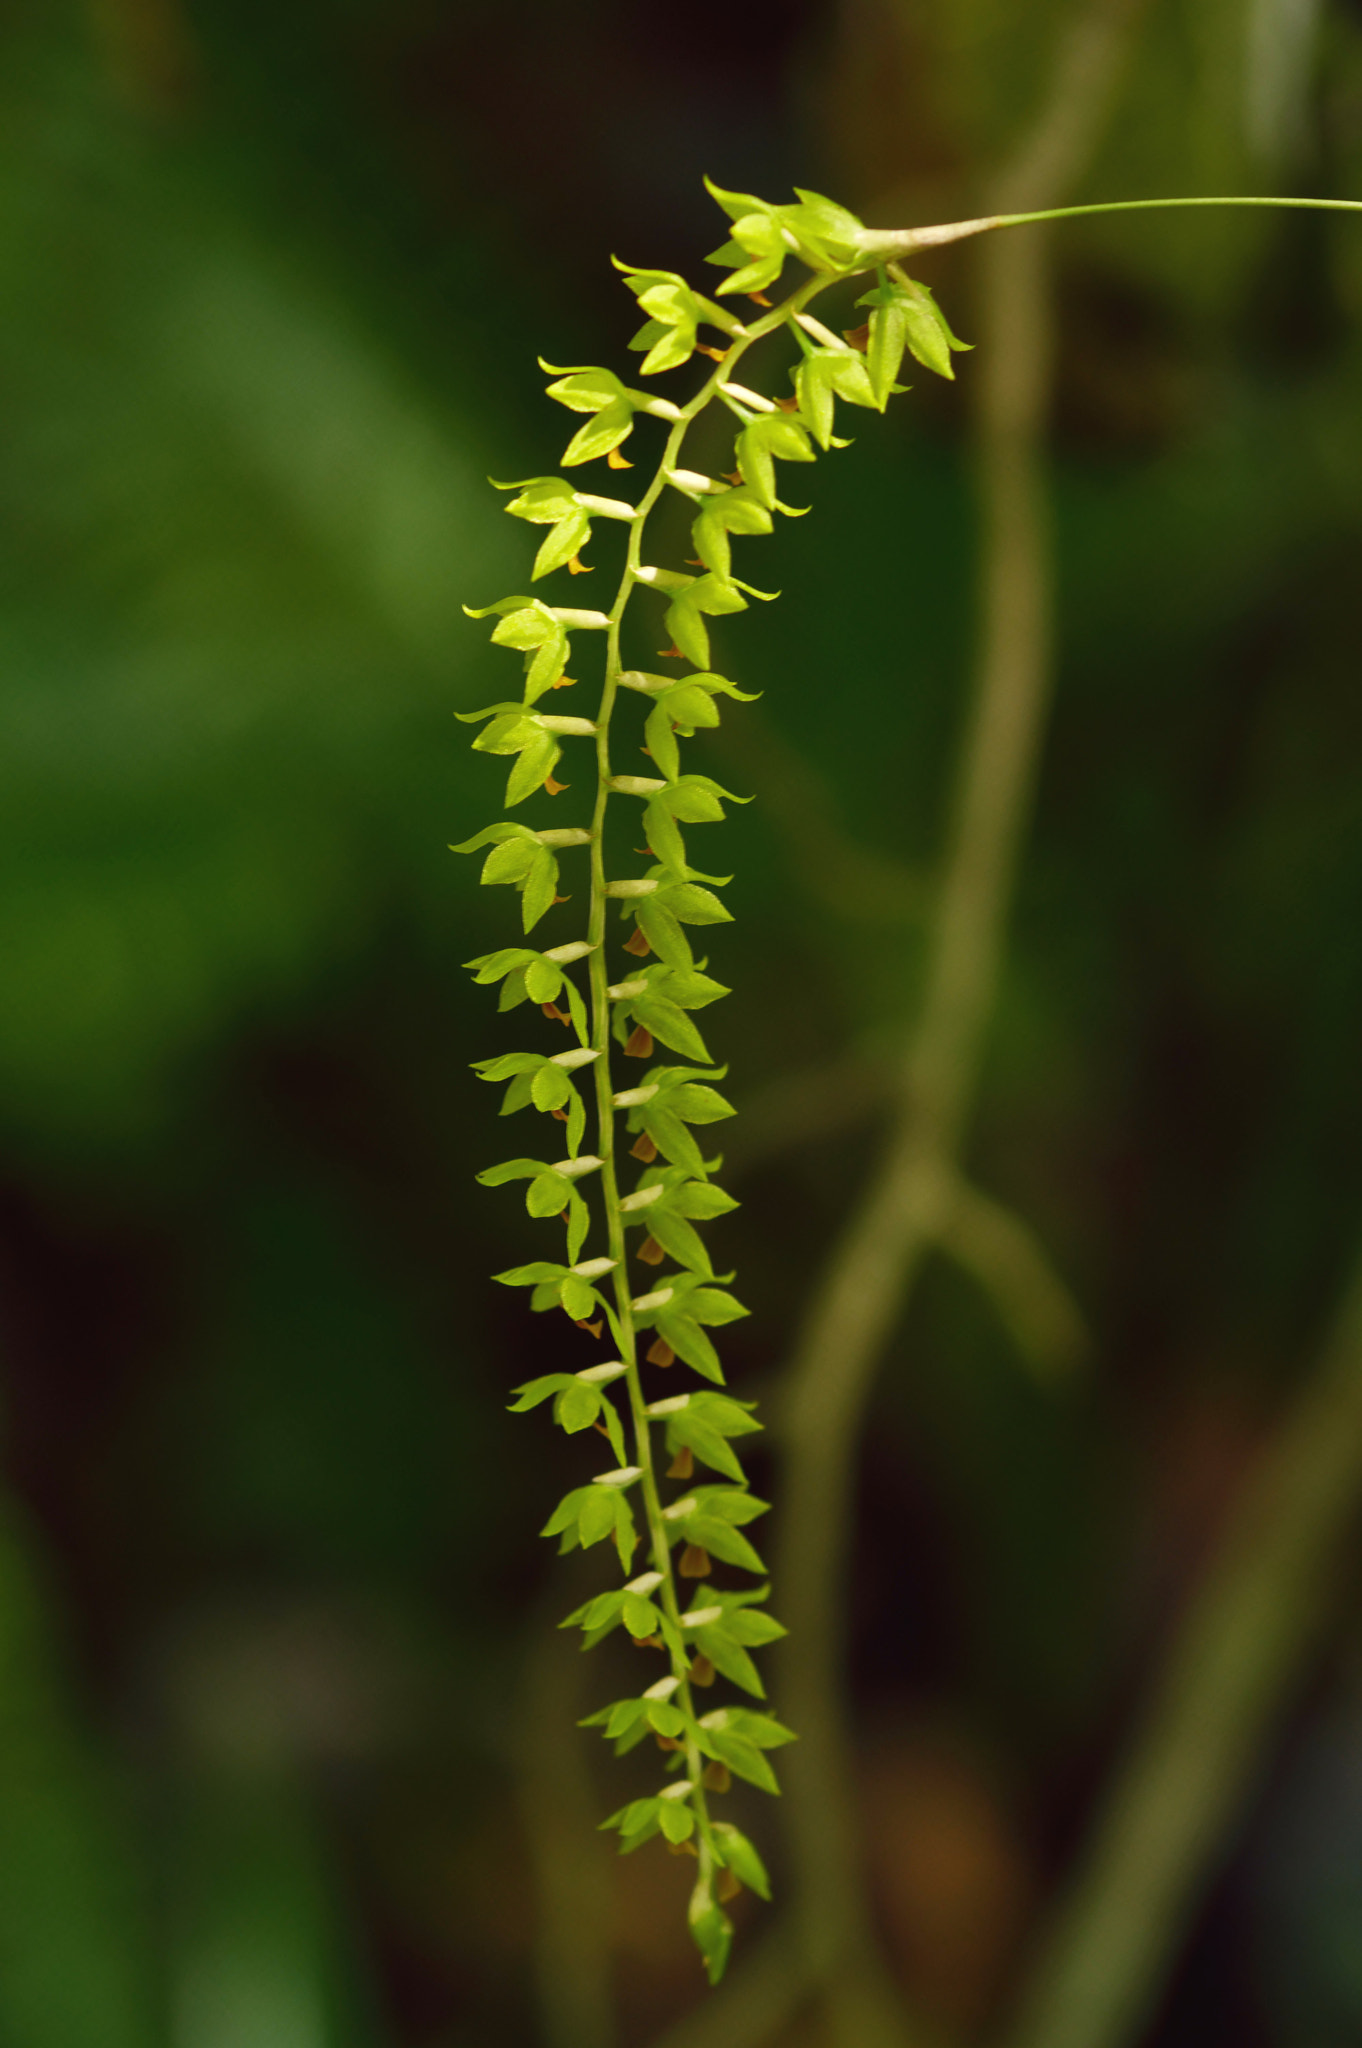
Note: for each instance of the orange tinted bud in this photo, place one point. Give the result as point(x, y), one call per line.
point(577, 567)
point(670, 654)
point(564, 683)
point(560, 1016)
point(651, 1252)
point(595, 1328)
point(686, 1848)
point(682, 1465)
point(695, 1562)
point(639, 1043)
point(643, 1148)
point(859, 337)
point(668, 1742)
point(554, 787)
point(617, 461)
point(701, 1672)
point(716, 355)
point(716, 1778)
point(660, 1352)
point(728, 1886)
point(637, 944)
point(759, 299)
point(787, 405)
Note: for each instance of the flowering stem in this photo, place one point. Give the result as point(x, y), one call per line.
point(666, 1593)
point(834, 1368)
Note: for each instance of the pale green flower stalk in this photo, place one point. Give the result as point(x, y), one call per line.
point(645, 994)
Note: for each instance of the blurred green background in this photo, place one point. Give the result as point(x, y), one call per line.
point(286, 1746)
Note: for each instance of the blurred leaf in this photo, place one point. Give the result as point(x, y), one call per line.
point(75, 1939)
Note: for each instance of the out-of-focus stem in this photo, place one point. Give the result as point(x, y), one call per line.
point(1230, 1673)
point(1008, 1259)
point(863, 1291)
point(571, 1863)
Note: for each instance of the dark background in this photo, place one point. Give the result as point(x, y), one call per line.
point(284, 1725)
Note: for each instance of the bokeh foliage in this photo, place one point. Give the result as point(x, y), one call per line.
point(274, 279)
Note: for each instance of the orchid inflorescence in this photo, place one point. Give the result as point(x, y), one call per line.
point(647, 1000)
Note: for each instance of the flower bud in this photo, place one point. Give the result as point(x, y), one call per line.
point(662, 579)
point(821, 334)
point(605, 508)
point(692, 482)
point(573, 1169)
point(553, 722)
point(564, 835)
point(579, 620)
point(746, 397)
point(633, 1098)
point(636, 785)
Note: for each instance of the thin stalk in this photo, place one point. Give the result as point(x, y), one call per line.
point(886, 244)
